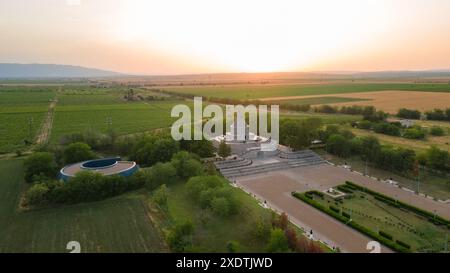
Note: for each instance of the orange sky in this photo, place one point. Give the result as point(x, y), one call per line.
point(199, 36)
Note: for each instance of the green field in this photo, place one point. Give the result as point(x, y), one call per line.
point(326, 118)
point(120, 224)
point(267, 91)
point(19, 106)
point(403, 225)
point(126, 118)
point(319, 100)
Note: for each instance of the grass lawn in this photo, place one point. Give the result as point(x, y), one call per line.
point(211, 232)
point(267, 91)
point(119, 224)
point(406, 226)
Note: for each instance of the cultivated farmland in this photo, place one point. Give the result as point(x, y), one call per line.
point(22, 110)
point(277, 91)
point(120, 224)
point(388, 101)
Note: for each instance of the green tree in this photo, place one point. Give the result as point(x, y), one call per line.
point(153, 149)
point(77, 152)
point(339, 145)
point(204, 148)
point(224, 149)
point(161, 173)
point(160, 196)
point(220, 206)
point(37, 194)
point(180, 237)
point(186, 165)
point(277, 241)
point(370, 147)
point(39, 164)
point(438, 159)
point(233, 247)
point(437, 131)
point(262, 229)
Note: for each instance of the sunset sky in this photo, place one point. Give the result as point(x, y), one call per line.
point(208, 36)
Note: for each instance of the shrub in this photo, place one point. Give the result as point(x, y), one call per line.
point(179, 238)
point(277, 242)
point(408, 113)
point(224, 149)
point(325, 108)
point(438, 114)
point(37, 195)
point(160, 196)
point(405, 245)
point(161, 173)
point(346, 215)
point(153, 149)
point(186, 165)
point(220, 206)
point(211, 192)
point(365, 124)
point(437, 131)
point(438, 159)
point(344, 188)
point(204, 148)
point(41, 163)
point(77, 152)
point(385, 235)
point(84, 187)
point(333, 208)
point(262, 229)
point(233, 246)
point(387, 129)
point(338, 145)
point(414, 133)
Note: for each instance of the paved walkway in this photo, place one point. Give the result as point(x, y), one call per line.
point(276, 187)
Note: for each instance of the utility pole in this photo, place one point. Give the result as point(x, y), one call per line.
point(418, 185)
point(417, 173)
point(109, 122)
point(30, 127)
point(365, 171)
point(446, 243)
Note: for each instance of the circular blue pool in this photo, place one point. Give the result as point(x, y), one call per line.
point(105, 166)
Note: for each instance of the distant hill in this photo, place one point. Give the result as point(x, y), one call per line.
point(51, 71)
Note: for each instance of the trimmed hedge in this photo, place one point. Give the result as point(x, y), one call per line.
point(346, 215)
point(344, 189)
point(405, 245)
point(333, 208)
point(391, 244)
point(385, 235)
point(436, 219)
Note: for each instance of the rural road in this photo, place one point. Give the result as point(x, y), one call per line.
point(44, 132)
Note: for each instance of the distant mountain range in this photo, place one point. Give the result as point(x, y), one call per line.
point(49, 71)
point(15, 71)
